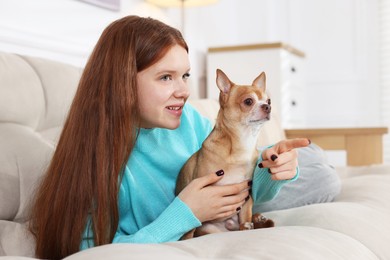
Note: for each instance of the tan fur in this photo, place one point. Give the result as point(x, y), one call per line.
point(231, 146)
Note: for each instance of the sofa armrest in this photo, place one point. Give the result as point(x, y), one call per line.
point(364, 145)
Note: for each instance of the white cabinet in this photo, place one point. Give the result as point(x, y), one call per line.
point(284, 68)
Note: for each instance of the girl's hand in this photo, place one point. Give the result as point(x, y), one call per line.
point(281, 159)
point(209, 202)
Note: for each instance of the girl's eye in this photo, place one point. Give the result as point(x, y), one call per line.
point(166, 77)
point(248, 102)
point(269, 101)
point(186, 75)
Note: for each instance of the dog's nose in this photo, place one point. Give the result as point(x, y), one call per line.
point(266, 108)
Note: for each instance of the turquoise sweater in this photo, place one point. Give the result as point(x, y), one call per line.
point(149, 211)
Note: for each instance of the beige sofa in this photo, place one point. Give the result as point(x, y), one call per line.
point(34, 98)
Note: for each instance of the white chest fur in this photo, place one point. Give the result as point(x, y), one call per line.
point(240, 164)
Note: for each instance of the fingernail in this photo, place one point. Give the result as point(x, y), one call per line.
point(260, 165)
point(274, 157)
point(269, 171)
point(247, 198)
point(220, 173)
point(238, 209)
point(250, 183)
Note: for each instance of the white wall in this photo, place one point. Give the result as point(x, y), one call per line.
point(64, 30)
point(61, 30)
point(339, 38)
point(341, 42)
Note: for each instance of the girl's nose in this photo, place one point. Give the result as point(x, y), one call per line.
point(182, 89)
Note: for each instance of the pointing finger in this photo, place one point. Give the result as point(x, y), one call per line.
point(273, 152)
point(290, 144)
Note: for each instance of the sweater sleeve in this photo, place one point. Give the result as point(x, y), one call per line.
point(171, 225)
point(263, 187)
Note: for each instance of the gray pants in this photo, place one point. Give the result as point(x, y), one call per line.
point(318, 182)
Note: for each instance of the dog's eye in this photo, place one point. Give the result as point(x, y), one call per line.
point(269, 101)
point(248, 102)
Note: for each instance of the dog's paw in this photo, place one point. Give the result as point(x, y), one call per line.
point(231, 225)
point(246, 226)
point(259, 221)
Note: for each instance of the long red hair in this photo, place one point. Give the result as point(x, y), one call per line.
point(82, 181)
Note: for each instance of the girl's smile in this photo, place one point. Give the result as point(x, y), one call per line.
point(175, 109)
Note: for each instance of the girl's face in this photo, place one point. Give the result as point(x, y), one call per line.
point(163, 90)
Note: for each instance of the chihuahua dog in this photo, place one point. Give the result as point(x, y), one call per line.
point(231, 146)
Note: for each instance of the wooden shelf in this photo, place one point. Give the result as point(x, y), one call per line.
point(271, 45)
point(363, 145)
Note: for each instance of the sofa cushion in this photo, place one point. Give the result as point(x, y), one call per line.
point(22, 98)
point(361, 211)
point(58, 89)
point(33, 107)
point(24, 158)
point(294, 243)
point(15, 240)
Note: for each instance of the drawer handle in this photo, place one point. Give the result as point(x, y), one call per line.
point(293, 103)
point(293, 69)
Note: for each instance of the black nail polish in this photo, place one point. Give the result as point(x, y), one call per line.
point(247, 198)
point(238, 209)
point(220, 173)
point(250, 183)
point(260, 165)
point(269, 171)
point(274, 157)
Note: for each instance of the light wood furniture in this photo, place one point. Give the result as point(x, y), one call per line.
point(364, 146)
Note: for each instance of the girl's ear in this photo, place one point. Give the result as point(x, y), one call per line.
point(260, 81)
point(223, 82)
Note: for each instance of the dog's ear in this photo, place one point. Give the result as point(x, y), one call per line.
point(260, 81)
point(223, 82)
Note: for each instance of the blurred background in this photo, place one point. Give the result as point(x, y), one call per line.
point(337, 51)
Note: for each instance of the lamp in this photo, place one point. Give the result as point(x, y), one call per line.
point(182, 4)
